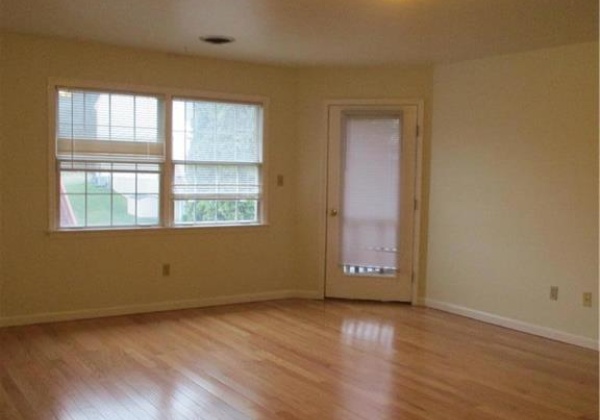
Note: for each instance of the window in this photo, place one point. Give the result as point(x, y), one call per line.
point(120, 163)
point(110, 153)
point(217, 159)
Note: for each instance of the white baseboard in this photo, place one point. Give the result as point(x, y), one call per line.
point(156, 307)
point(513, 324)
point(288, 294)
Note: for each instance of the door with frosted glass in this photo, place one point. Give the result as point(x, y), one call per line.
point(370, 202)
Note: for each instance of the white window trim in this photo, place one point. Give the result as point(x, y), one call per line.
point(166, 216)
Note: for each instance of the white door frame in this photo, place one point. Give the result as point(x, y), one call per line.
point(419, 103)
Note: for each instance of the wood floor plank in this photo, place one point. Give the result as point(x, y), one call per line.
point(292, 359)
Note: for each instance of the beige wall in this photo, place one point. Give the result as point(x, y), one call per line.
point(514, 187)
point(51, 273)
point(315, 87)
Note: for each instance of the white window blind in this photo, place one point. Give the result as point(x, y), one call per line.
point(217, 161)
point(109, 156)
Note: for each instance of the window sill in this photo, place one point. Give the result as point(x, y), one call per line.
point(158, 231)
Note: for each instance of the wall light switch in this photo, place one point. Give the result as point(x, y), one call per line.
point(554, 293)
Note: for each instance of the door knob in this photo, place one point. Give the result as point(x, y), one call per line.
point(333, 212)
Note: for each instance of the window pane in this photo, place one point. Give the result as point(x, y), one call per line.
point(206, 131)
point(124, 183)
point(247, 210)
point(104, 199)
point(206, 210)
point(147, 209)
point(226, 210)
point(183, 212)
point(72, 210)
point(99, 210)
point(99, 182)
point(148, 183)
point(178, 116)
point(72, 182)
point(122, 117)
point(211, 212)
point(146, 118)
point(179, 145)
point(123, 209)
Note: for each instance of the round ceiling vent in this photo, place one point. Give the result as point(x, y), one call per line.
point(217, 39)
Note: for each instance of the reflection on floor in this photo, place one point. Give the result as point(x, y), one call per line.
point(376, 331)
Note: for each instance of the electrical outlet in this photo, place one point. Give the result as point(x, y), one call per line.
point(554, 293)
point(166, 269)
point(587, 299)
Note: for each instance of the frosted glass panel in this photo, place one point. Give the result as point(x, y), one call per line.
point(370, 209)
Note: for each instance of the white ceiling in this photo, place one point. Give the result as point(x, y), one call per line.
point(315, 32)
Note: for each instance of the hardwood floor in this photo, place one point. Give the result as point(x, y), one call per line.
point(292, 359)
